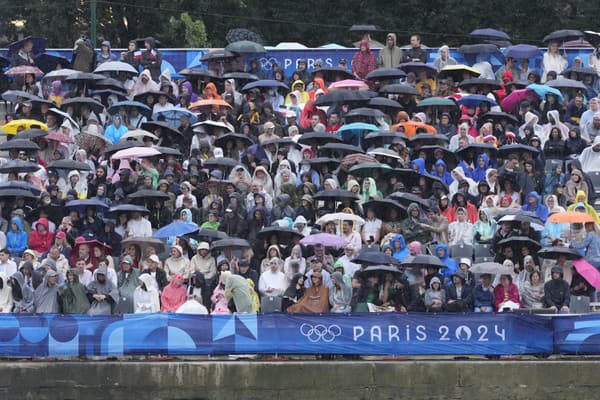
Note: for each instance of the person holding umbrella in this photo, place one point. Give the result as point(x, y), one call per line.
point(553, 61)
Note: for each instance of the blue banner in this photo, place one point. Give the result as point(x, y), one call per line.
point(27, 335)
point(577, 334)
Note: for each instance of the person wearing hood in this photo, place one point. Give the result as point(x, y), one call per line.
point(534, 204)
point(459, 295)
point(315, 298)
point(40, 239)
point(116, 130)
point(237, 293)
point(127, 281)
point(282, 209)
point(481, 168)
point(105, 55)
point(22, 294)
point(340, 294)
point(6, 295)
point(151, 58)
point(435, 295)
point(16, 238)
point(553, 121)
point(144, 84)
point(554, 178)
point(297, 89)
point(459, 175)
point(557, 294)
point(461, 200)
point(399, 249)
point(414, 226)
point(363, 61)
point(295, 263)
point(531, 123)
point(440, 170)
point(451, 266)
point(485, 227)
point(174, 294)
point(575, 187)
point(45, 297)
point(272, 282)
point(582, 199)
point(318, 84)
point(102, 294)
point(294, 292)
point(230, 89)
point(418, 165)
point(391, 55)
point(145, 296)
point(590, 157)
point(588, 245)
point(177, 263)
point(73, 295)
point(461, 230)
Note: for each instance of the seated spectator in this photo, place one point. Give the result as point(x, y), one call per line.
point(340, 294)
point(435, 296)
point(483, 295)
point(557, 294)
point(506, 294)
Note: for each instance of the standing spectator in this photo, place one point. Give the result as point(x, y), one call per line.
point(132, 56)
point(45, 297)
point(416, 52)
point(105, 54)
point(553, 61)
point(151, 58)
point(102, 294)
point(363, 61)
point(73, 295)
point(443, 58)
point(391, 55)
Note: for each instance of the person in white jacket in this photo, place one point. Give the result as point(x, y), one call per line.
point(272, 282)
point(145, 296)
point(553, 61)
point(6, 299)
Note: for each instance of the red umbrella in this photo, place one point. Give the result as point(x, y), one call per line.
point(588, 271)
point(59, 137)
point(24, 70)
point(511, 102)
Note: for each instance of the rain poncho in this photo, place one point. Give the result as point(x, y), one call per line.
point(484, 229)
point(540, 210)
point(146, 300)
point(420, 164)
point(237, 288)
point(106, 288)
point(399, 253)
point(73, 296)
point(479, 173)
point(581, 197)
point(127, 283)
point(16, 242)
point(451, 264)
point(22, 294)
point(174, 294)
point(6, 297)
point(340, 297)
point(45, 298)
point(444, 175)
point(370, 193)
point(363, 62)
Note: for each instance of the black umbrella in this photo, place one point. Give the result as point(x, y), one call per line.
point(165, 128)
point(563, 35)
point(82, 204)
point(284, 235)
point(365, 28)
point(16, 193)
point(104, 93)
point(383, 207)
point(592, 38)
point(382, 138)
point(110, 84)
point(69, 165)
point(14, 96)
point(336, 195)
point(243, 76)
point(449, 157)
point(374, 258)
point(507, 149)
point(555, 252)
point(143, 97)
point(126, 144)
point(148, 194)
point(281, 142)
point(55, 214)
point(18, 166)
point(318, 162)
point(230, 243)
point(168, 151)
point(78, 102)
point(580, 71)
point(480, 48)
point(221, 141)
point(246, 47)
point(489, 34)
point(344, 96)
point(198, 72)
point(48, 62)
point(221, 162)
point(399, 88)
point(339, 149)
point(521, 241)
point(143, 242)
point(386, 73)
point(564, 83)
point(315, 139)
point(217, 55)
point(21, 185)
point(405, 175)
point(384, 102)
point(422, 261)
point(365, 112)
point(380, 269)
point(86, 77)
point(428, 139)
point(19, 144)
point(475, 149)
point(32, 133)
point(491, 83)
point(407, 198)
point(121, 208)
point(39, 45)
point(333, 74)
point(498, 116)
point(205, 233)
point(417, 68)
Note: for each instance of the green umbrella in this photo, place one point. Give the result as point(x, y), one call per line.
point(437, 102)
point(366, 169)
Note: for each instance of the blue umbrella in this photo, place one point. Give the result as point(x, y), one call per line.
point(142, 108)
point(176, 228)
point(265, 83)
point(39, 45)
point(543, 90)
point(172, 116)
point(353, 132)
point(81, 205)
point(522, 51)
point(489, 34)
point(474, 100)
point(129, 208)
point(47, 62)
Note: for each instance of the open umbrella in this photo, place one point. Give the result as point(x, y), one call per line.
point(339, 149)
point(366, 169)
point(221, 141)
point(580, 71)
point(86, 77)
point(324, 239)
point(39, 45)
point(520, 216)
point(374, 258)
point(104, 93)
point(489, 34)
point(245, 46)
point(135, 152)
point(176, 228)
point(511, 102)
point(492, 268)
point(399, 88)
point(437, 102)
point(343, 97)
point(208, 104)
point(315, 139)
point(520, 51)
point(411, 128)
point(354, 132)
point(152, 97)
point(21, 185)
point(9, 192)
point(48, 62)
point(479, 48)
point(143, 242)
point(265, 83)
point(205, 234)
point(480, 82)
point(564, 83)
point(110, 84)
point(161, 128)
point(417, 68)
point(318, 162)
point(507, 149)
point(380, 269)
point(19, 144)
point(240, 76)
point(17, 125)
point(385, 73)
point(338, 217)
point(431, 139)
point(384, 102)
point(81, 205)
point(284, 235)
point(128, 104)
point(571, 217)
point(381, 138)
point(148, 194)
point(457, 72)
point(31, 134)
point(406, 199)
point(24, 70)
point(116, 66)
point(220, 162)
point(520, 241)
point(500, 116)
point(383, 207)
point(474, 100)
point(422, 261)
point(18, 166)
point(59, 137)
point(78, 102)
point(336, 195)
point(15, 96)
point(365, 112)
point(233, 243)
point(174, 115)
point(168, 151)
point(332, 74)
point(563, 35)
point(126, 144)
point(69, 165)
point(351, 84)
point(543, 90)
point(554, 252)
point(198, 72)
point(588, 271)
point(138, 134)
point(217, 55)
point(126, 208)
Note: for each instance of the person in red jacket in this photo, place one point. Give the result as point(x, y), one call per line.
point(506, 294)
point(41, 238)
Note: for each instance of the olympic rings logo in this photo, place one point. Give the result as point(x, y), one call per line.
point(320, 332)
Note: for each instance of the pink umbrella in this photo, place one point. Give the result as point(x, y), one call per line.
point(325, 239)
point(24, 70)
point(136, 152)
point(588, 271)
point(59, 137)
point(350, 84)
point(510, 102)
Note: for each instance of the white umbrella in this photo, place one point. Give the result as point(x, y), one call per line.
point(491, 268)
point(116, 66)
point(59, 73)
point(64, 115)
point(136, 152)
point(337, 217)
point(138, 134)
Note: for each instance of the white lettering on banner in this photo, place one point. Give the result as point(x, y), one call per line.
point(463, 333)
point(286, 63)
point(421, 333)
point(393, 332)
point(358, 332)
point(376, 333)
point(444, 333)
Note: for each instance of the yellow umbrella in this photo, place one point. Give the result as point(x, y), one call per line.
point(17, 125)
point(457, 71)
